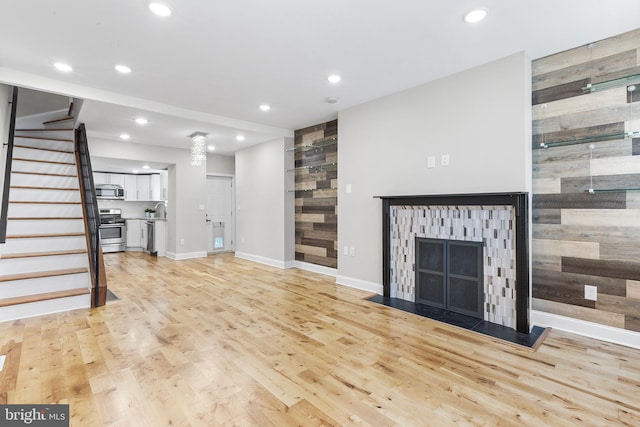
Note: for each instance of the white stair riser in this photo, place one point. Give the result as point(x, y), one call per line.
point(20, 179)
point(41, 308)
point(22, 166)
point(47, 134)
point(31, 195)
point(45, 143)
point(45, 263)
point(19, 246)
point(45, 226)
point(51, 156)
point(34, 210)
point(20, 288)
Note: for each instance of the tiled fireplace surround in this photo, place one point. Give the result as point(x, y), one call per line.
point(499, 220)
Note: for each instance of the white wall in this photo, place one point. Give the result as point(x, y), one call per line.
point(265, 210)
point(187, 192)
point(479, 117)
point(221, 165)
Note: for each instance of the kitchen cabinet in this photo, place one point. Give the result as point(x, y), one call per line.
point(134, 233)
point(137, 188)
point(130, 188)
point(116, 178)
point(164, 185)
point(143, 183)
point(161, 238)
point(100, 178)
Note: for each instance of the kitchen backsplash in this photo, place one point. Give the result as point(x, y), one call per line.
point(129, 209)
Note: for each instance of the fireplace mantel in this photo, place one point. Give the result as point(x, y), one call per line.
point(520, 203)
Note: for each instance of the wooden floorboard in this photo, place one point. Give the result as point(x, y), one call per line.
point(221, 341)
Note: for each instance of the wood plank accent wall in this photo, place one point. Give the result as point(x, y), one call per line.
point(581, 238)
point(316, 195)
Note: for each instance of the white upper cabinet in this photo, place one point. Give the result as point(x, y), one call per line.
point(141, 188)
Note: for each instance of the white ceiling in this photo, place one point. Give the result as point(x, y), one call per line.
point(212, 63)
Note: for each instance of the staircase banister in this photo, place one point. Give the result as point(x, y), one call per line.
point(4, 207)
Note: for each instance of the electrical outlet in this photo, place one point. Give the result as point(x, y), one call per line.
point(445, 160)
point(590, 292)
point(345, 250)
point(182, 241)
point(352, 251)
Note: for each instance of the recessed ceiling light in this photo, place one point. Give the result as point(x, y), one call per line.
point(211, 148)
point(141, 121)
point(334, 78)
point(122, 69)
point(475, 16)
point(159, 9)
point(240, 138)
point(125, 136)
point(61, 66)
point(265, 107)
point(145, 166)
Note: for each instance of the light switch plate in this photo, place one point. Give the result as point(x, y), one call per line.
point(445, 160)
point(590, 292)
point(431, 162)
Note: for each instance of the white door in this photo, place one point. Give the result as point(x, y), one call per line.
point(220, 214)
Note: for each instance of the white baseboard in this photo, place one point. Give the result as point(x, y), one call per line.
point(186, 255)
point(321, 269)
point(359, 284)
point(262, 260)
point(587, 329)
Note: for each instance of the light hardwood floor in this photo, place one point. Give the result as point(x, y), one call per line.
point(222, 341)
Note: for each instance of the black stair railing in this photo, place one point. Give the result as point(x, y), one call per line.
point(90, 207)
point(4, 209)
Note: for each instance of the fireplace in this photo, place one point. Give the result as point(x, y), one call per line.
point(449, 275)
point(495, 223)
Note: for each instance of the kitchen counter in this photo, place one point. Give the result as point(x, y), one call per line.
point(142, 218)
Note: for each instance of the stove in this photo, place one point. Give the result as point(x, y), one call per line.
point(113, 230)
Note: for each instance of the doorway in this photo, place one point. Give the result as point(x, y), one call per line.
point(220, 218)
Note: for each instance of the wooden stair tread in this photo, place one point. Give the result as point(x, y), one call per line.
point(62, 119)
point(41, 274)
point(42, 218)
point(44, 161)
point(39, 254)
point(44, 138)
point(43, 202)
point(44, 130)
point(43, 297)
point(68, 175)
point(44, 235)
point(42, 149)
point(33, 187)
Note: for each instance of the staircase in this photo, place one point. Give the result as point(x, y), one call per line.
point(44, 265)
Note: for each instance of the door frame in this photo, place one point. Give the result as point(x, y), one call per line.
point(233, 207)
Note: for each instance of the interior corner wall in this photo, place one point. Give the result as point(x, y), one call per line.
point(187, 192)
point(480, 118)
point(264, 209)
